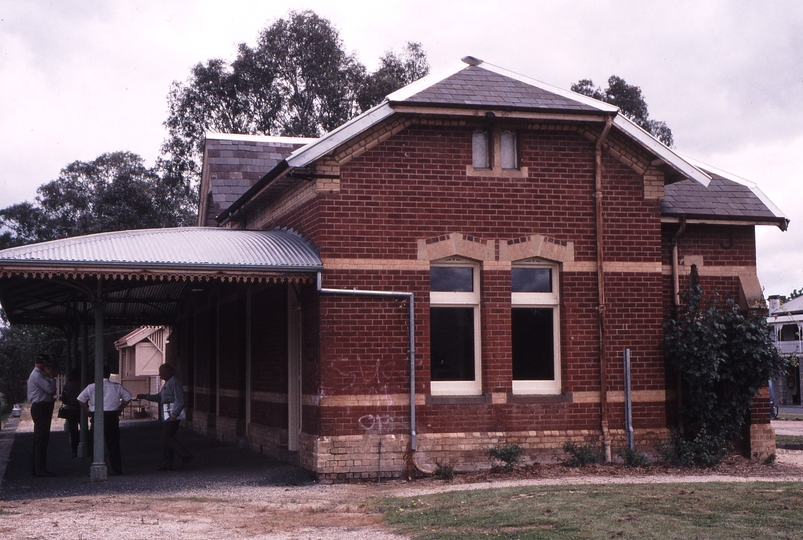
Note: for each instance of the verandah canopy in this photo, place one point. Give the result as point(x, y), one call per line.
point(141, 274)
point(137, 277)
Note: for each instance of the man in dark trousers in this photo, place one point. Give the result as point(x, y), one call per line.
point(42, 396)
point(171, 412)
point(115, 400)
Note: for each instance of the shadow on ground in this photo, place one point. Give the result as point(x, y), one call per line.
point(215, 464)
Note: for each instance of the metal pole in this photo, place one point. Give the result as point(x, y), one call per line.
point(628, 402)
point(98, 470)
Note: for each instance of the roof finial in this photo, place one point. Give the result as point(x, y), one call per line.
point(471, 60)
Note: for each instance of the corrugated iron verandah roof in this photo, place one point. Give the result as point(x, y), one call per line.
point(144, 273)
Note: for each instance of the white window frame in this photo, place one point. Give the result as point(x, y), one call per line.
point(511, 136)
point(481, 139)
point(491, 141)
point(541, 300)
point(440, 299)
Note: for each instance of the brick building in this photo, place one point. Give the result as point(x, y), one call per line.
point(487, 246)
point(539, 233)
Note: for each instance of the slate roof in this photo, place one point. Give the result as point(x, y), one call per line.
point(475, 86)
point(237, 162)
point(472, 83)
point(723, 198)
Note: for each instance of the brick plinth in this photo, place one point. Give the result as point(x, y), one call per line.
point(360, 457)
point(266, 440)
point(228, 429)
point(762, 441)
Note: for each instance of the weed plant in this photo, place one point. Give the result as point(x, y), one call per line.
point(508, 454)
point(582, 454)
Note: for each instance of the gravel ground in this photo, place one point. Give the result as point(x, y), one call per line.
point(228, 492)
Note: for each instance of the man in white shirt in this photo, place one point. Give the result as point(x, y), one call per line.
point(115, 400)
point(41, 395)
point(171, 412)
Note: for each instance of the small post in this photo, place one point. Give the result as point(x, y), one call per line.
point(97, 471)
point(628, 402)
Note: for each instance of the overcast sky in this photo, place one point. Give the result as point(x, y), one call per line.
point(82, 77)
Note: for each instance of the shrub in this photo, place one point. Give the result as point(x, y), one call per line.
point(444, 471)
point(723, 357)
point(705, 450)
point(506, 453)
point(582, 454)
point(634, 458)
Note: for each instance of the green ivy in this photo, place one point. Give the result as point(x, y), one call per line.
point(724, 357)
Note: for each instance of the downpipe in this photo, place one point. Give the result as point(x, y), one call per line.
point(603, 364)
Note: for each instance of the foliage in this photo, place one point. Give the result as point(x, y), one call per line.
point(795, 293)
point(634, 458)
point(444, 471)
point(19, 346)
point(630, 102)
point(723, 357)
point(394, 72)
point(296, 81)
point(113, 192)
point(582, 454)
point(704, 450)
point(508, 454)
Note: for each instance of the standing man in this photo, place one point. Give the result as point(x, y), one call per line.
point(115, 400)
point(41, 395)
point(171, 412)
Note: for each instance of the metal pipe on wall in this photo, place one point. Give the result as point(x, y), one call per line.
point(603, 364)
point(411, 302)
point(628, 402)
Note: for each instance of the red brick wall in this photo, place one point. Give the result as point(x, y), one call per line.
point(269, 354)
point(415, 186)
point(719, 245)
point(205, 339)
point(232, 323)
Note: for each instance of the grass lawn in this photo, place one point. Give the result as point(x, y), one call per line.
point(710, 511)
point(792, 442)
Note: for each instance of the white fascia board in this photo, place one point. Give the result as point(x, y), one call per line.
point(568, 94)
point(258, 138)
point(739, 180)
point(320, 147)
point(670, 157)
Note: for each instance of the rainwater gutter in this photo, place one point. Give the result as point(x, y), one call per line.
point(411, 303)
point(603, 364)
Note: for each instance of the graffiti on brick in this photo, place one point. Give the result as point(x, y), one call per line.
point(380, 423)
point(369, 378)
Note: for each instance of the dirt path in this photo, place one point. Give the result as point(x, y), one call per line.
point(203, 508)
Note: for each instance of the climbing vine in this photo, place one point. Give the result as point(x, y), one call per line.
point(724, 357)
